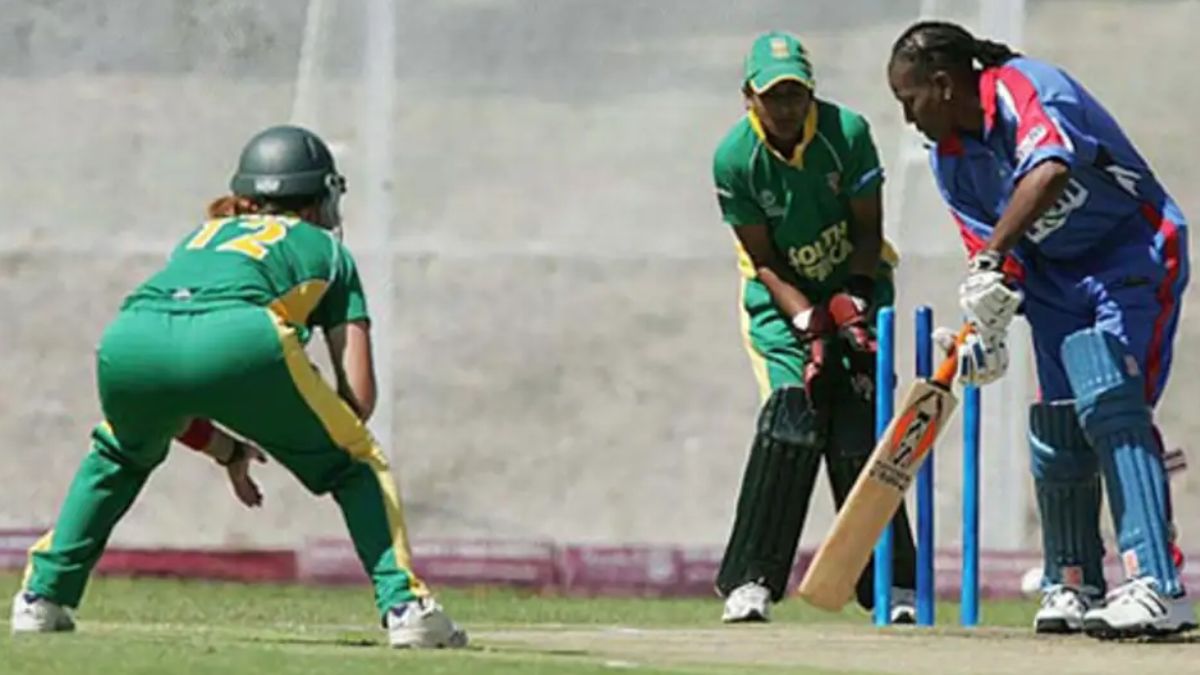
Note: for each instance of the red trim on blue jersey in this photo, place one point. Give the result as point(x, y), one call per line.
point(951, 146)
point(1029, 110)
point(975, 243)
point(1165, 294)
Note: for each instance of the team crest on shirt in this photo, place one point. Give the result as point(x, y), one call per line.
point(770, 204)
point(835, 179)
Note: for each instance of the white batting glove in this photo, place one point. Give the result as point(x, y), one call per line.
point(989, 304)
point(982, 356)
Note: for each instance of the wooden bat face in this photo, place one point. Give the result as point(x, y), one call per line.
point(912, 434)
point(878, 492)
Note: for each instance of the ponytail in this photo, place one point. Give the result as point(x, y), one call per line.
point(990, 54)
point(229, 206)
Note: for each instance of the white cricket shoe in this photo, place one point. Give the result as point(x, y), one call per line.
point(33, 614)
point(1137, 609)
point(1062, 610)
point(748, 602)
point(904, 606)
point(422, 624)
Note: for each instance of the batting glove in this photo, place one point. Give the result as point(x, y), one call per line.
point(986, 300)
point(982, 356)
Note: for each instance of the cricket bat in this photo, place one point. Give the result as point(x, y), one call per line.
point(829, 581)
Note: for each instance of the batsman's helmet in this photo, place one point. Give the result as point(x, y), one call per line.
point(286, 162)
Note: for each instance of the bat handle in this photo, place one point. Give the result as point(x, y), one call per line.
point(948, 368)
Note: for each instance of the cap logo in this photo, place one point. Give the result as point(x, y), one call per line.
point(779, 48)
point(267, 185)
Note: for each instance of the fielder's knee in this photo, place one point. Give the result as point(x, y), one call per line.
point(788, 417)
point(776, 487)
point(143, 455)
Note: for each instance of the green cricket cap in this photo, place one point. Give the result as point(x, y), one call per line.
point(775, 57)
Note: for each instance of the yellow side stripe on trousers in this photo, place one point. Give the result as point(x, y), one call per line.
point(42, 544)
point(350, 434)
point(757, 362)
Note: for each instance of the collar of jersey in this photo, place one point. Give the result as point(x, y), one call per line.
point(809, 133)
point(955, 146)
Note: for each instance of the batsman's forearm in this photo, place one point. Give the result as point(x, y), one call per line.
point(1034, 194)
point(789, 299)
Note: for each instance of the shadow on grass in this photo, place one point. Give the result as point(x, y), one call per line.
point(344, 641)
point(1188, 639)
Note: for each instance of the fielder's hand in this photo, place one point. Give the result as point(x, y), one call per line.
point(985, 298)
point(982, 356)
point(813, 323)
point(238, 469)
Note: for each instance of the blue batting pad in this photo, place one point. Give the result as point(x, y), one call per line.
point(1110, 401)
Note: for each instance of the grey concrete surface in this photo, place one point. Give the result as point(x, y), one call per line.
point(566, 347)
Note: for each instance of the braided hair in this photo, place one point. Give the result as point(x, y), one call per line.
point(941, 45)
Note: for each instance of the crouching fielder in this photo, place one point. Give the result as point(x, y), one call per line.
point(218, 336)
point(1062, 215)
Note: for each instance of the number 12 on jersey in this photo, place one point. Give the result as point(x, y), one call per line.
point(264, 231)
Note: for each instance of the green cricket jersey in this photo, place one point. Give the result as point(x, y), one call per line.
point(298, 270)
point(804, 199)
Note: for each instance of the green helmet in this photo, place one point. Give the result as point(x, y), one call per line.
point(287, 162)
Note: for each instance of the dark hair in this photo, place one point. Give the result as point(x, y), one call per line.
point(239, 205)
point(933, 45)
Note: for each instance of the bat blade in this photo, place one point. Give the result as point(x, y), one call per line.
point(830, 579)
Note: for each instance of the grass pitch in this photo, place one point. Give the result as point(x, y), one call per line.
point(134, 626)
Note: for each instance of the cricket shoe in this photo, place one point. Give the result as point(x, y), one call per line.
point(422, 624)
point(1137, 609)
point(34, 614)
point(1062, 610)
point(748, 602)
point(904, 609)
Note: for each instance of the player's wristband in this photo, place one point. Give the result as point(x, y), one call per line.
point(802, 319)
point(987, 260)
point(198, 434)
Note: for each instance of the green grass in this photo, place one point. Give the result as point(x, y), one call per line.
point(158, 626)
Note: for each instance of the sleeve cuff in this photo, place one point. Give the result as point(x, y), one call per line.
point(868, 179)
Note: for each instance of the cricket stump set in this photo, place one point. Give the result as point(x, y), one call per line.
point(905, 439)
point(885, 386)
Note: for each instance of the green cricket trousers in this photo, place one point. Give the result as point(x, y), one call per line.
point(242, 367)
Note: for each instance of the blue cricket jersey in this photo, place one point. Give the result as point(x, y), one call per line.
point(1110, 254)
point(1034, 112)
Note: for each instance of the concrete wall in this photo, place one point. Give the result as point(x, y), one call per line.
point(566, 353)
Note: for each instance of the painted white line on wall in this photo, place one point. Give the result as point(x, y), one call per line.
point(1005, 462)
point(375, 143)
point(911, 156)
point(304, 95)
